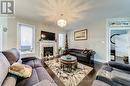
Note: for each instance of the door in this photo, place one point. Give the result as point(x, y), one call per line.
point(1, 37)
point(121, 45)
point(129, 46)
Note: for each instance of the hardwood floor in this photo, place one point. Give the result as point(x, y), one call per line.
point(87, 81)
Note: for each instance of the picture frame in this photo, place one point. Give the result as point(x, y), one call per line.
point(81, 35)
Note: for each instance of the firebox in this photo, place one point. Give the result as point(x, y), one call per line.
point(48, 51)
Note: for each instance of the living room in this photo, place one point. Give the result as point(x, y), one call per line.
point(70, 40)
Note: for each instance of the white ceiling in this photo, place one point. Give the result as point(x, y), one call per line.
point(49, 11)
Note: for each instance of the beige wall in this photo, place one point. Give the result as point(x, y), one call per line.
point(3, 24)
point(12, 32)
point(96, 39)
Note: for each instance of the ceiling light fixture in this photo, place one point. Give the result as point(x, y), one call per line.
point(62, 22)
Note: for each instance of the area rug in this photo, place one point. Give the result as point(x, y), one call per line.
point(69, 79)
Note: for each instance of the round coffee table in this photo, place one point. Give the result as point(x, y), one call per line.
point(68, 63)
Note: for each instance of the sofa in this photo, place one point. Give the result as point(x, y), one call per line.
point(82, 55)
point(39, 76)
point(113, 74)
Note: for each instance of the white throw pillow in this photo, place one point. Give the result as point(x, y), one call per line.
point(4, 65)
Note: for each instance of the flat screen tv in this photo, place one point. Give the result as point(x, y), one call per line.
point(47, 36)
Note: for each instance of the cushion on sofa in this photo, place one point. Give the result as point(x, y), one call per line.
point(38, 74)
point(12, 55)
point(4, 65)
point(107, 67)
point(43, 74)
point(45, 83)
point(120, 77)
point(34, 63)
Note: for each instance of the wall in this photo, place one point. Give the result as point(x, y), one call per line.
point(3, 24)
point(12, 32)
point(96, 39)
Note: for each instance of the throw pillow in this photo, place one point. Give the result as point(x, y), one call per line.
point(84, 51)
point(4, 65)
point(20, 70)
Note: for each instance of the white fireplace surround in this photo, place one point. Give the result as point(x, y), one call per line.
point(45, 43)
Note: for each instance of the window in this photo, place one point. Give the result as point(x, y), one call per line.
point(62, 40)
point(26, 36)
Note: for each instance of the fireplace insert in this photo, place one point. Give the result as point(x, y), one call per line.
point(48, 51)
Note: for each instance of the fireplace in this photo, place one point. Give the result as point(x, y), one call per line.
point(48, 48)
point(48, 51)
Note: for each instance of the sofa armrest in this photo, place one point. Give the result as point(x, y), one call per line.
point(10, 80)
point(26, 59)
point(121, 66)
point(92, 53)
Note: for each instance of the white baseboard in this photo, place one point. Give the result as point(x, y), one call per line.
point(100, 60)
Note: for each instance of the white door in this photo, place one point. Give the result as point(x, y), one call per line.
point(129, 46)
point(1, 37)
point(121, 45)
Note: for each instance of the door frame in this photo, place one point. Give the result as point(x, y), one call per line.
point(1, 43)
point(108, 42)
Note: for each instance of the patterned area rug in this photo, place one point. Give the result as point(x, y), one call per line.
point(69, 79)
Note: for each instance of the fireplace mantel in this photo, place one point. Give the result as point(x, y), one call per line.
point(45, 43)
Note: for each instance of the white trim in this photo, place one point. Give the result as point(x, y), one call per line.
point(108, 35)
point(18, 36)
point(1, 39)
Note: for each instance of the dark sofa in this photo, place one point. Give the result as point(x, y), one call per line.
point(39, 76)
point(82, 55)
point(113, 74)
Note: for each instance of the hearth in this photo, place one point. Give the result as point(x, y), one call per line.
point(47, 51)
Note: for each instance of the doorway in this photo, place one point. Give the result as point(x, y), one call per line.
point(119, 45)
point(118, 40)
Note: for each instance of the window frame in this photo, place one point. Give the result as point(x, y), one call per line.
point(63, 41)
point(19, 37)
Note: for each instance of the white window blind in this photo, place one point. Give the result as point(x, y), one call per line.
point(26, 43)
point(61, 40)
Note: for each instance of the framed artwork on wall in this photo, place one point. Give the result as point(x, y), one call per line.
point(81, 35)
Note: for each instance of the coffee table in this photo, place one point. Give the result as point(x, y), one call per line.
point(68, 63)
